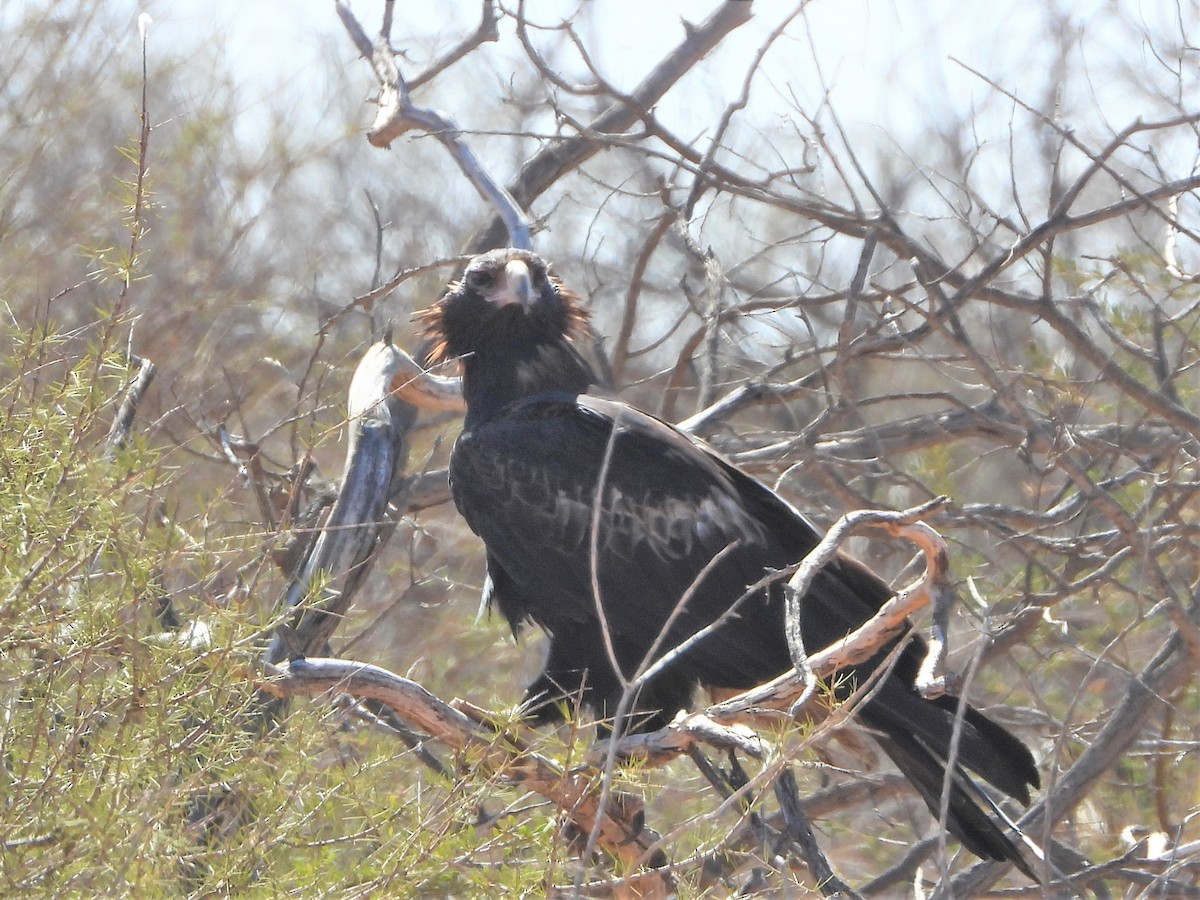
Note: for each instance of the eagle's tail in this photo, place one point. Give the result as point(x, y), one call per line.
point(917, 734)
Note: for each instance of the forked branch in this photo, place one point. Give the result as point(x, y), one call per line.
point(397, 114)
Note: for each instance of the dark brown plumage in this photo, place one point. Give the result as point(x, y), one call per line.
point(526, 475)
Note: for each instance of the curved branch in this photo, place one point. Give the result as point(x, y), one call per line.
point(768, 702)
point(342, 555)
point(619, 825)
point(423, 389)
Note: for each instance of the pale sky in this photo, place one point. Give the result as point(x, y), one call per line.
point(890, 64)
point(895, 70)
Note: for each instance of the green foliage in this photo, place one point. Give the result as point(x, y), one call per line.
point(98, 707)
point(132, 757)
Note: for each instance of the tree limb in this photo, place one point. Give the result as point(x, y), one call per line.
point(345, 550)
point(564, 156)
point(620, 829)
point(397, 114)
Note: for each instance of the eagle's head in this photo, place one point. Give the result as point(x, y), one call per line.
point(506, 301)
point(514, 326)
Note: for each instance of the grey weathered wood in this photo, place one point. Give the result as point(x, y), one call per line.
point(319, 594)
point(122, 426)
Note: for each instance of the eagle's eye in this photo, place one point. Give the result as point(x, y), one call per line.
point(480, 279)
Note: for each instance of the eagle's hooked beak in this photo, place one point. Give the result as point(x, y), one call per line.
point(517, 286)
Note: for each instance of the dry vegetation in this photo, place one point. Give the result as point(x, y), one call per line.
point(1001, 308)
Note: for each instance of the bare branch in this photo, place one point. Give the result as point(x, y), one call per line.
point(567, 155)
point(1172, 667)
point(768, 701)
point(620, 829)
point(398, 114)
point(122, 426)
point(344, 552)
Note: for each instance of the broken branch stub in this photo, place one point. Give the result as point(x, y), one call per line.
point(379, 422)
point(424, 390)
point(122, 426)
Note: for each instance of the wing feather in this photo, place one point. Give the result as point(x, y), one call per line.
point(526, 483)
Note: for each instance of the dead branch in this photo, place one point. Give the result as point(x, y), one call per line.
point(799, 830)
point(777, 699)
point(561, 157)
point(344, 552)
point(620, 828)
point(423, 389)
point(122, 426)
point(1171, 669)
point(397, 114)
